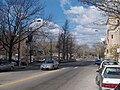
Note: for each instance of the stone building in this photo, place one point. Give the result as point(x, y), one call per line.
point(112, 37)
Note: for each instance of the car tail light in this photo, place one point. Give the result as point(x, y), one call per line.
point(109, 85)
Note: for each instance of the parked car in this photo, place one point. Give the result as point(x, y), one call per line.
point(41, 59)
point(15, 62)
point(6, 65)
point(49, 64)
point(108, 62)
point(108, 77)
point(97, 61)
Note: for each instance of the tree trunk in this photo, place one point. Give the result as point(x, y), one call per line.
point(59, 55)
point(10, 53)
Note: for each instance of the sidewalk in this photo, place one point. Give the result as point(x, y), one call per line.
point(34, 66)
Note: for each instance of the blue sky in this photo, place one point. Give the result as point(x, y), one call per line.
point(84, 21)
point(53, 7)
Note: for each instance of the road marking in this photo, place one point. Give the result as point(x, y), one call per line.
point(28, 78)
point(63, 68)
point(75, 67)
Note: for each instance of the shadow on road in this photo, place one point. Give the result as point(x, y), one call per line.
point(77, 64)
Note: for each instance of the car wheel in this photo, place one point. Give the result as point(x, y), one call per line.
point(11, 68)
point(41, 68)
point(53, 67)
point(97, 82)
point(58, 67)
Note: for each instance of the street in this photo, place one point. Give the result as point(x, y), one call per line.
point(78, 75)
point(69, 38)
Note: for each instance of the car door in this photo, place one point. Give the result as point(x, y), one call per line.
point(99, 76)
point(55, 64)
point(1, 66)
point(6, 65)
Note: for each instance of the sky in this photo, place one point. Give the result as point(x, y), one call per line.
point(86, 22)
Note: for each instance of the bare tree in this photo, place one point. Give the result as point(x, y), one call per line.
point(110, 7)
point(99, 48)
point(65, 43)
point(15, 18)
point(44, 37)
point(82, 50)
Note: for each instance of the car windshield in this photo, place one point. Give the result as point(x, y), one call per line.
point(112, 72)
point(3, 62)
point(110, 63)
point(49, 61)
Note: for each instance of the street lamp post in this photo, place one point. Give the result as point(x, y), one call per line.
point(18, 48)
point(19, 40)
point(19, 51)
point(51, 49)
point(29, 42)
point(30, 52)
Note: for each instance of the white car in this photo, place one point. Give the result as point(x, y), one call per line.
point(49, 64)
point(108, 62)
point(108, 77)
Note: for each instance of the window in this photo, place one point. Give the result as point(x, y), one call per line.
point(49, 61)
point(118, 21)
point(112, 36)
point(112, 71)
point(107, 50)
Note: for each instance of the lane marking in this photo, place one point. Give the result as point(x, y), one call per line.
point(75, 67)
point(25, 79)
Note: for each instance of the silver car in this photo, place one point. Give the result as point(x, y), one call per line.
point(108, 77)
point(6, 65)
point(49, 64)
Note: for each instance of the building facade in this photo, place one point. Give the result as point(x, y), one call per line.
point(112, 37)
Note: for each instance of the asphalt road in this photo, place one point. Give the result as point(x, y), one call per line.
point(71, 76)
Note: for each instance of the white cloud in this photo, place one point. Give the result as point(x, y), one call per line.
point(75, 10)
point(85, 20)
point(55, 31)
point(64, 2)
point(49, 27)
point(82, 15)
point(82, 29)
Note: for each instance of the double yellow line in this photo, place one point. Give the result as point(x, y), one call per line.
point(25, 79)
